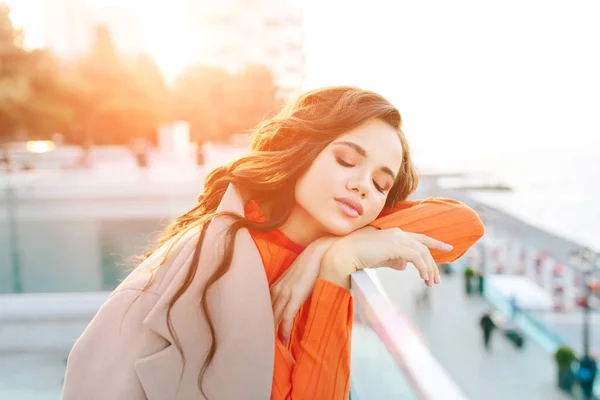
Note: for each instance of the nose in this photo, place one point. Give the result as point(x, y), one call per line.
point(359, 185)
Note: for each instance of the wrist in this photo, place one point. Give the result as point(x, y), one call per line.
point(335, 267)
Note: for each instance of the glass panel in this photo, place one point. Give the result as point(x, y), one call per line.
point(389, 360)
point(375, 374)
point(121, 241)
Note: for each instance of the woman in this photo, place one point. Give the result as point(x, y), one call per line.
point(263, 262)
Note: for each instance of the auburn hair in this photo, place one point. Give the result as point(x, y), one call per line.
point(282, 150)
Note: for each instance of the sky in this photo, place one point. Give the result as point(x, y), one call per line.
point(482, 74)
point(466, 75)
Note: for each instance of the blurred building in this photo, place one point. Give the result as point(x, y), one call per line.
point(69, 27)
point(235, 33)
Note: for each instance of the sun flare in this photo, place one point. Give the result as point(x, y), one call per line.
point(166, 33)
point(166, 37)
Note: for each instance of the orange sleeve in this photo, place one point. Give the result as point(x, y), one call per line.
point(317, 362)
point(447, 220)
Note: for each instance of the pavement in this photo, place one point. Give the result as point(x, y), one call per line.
point(569, 327)
point(449, 324)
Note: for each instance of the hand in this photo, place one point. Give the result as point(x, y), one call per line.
point(372, 248)
point(296, 284)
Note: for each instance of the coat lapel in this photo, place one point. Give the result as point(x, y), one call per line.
point(239, 305)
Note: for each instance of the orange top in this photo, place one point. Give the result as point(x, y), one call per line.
point(315, 364)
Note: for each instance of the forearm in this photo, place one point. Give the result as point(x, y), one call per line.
point(447, 220)
point(336, 264)
point(334, 271)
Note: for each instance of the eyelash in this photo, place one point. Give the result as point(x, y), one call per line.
point(347, 165)
point(343, 163)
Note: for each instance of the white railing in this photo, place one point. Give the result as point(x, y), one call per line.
point(406, 369)
point(38, 322)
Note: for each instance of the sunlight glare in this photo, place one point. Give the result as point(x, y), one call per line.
point(167, 37)
point(32, 22)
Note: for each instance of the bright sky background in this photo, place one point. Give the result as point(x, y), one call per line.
point(485, 75)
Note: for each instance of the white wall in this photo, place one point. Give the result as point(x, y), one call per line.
point(72, 245)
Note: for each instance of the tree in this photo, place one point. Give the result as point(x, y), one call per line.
point(150, 81)
point(218, 104)
point(254, 97)
point(13, 83)
point(34, 101)
point(121, 100)
point(50, 104)
point(199, 98)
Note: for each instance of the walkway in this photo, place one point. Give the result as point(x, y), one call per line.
point(450, 327)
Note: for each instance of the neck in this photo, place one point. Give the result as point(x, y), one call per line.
point(301, 228)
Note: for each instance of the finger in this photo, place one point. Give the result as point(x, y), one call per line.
point(438, 277)
point(412, 255)
point(417, 253)
point(274, 291)
point(288, 321)
point(279, 308)
point(431, 281)
point(433, 243)
point(425, 256)
point(433, 271)
point(276, 313)
point(289, 316)
point(432, 266)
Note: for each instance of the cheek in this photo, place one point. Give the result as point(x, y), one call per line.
point(310, 185)
point(319, 175)
point(375, 206)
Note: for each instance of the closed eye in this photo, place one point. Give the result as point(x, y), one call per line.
point(343, 163)
point(379, 188)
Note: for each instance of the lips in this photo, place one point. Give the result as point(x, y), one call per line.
point(350, 207)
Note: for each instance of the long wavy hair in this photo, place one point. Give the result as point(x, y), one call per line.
point(282, 150)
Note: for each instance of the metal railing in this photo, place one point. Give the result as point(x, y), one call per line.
point(389, 359)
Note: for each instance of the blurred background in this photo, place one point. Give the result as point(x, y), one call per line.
point(112, 112)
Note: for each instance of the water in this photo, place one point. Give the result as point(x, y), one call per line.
point(555, 189)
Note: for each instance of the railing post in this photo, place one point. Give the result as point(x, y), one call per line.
point(13, 238)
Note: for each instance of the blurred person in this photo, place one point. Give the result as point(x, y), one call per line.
point(246, 296)
point(514, 306)
point(446, 268)
point(587, 374)
point(422, 297)
point(487, 327)
point(200, 157)
point(141, 149)
point(5, 161)
point(86, 160)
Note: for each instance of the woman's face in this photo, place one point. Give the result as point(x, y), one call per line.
point(347, 185)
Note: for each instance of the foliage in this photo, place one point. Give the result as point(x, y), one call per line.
point(564, 356)
point(218, 104)
point(108, 98)
point(34, 97)
point(120, 100)
point(469, 272)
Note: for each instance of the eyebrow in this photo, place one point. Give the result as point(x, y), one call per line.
point(360, 150)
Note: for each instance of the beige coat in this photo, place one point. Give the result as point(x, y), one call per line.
point(131, 354)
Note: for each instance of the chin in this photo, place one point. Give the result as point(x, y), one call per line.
point(339, 226)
